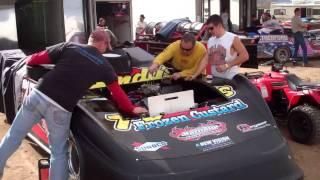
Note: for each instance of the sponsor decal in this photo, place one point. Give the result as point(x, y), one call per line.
point(138, 75)
point(150, 146)
point(226, 90)
point(142, 74)
point(154, 122)
point(215, 144)
point(233, 106)
point(248, 128)
point(120, 124)
point(146, 125)
point(273, 38)
point(195, 133)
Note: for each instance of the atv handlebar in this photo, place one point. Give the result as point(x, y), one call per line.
point(254, 75)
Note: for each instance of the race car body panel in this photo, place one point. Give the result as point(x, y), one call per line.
point(229, 133)
point(248, 142)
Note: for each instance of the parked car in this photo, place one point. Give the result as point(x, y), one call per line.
point(280, 47)
point(219, 130)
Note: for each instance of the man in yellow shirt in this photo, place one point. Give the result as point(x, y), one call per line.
point(185, 56)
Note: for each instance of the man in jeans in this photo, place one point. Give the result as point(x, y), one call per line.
point(298, 27)
point(77, 67)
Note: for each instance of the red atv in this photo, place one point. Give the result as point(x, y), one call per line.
point(286, 94)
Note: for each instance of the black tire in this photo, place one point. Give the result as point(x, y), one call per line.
point(75, 159)
point(304, 124)
point(282, 54)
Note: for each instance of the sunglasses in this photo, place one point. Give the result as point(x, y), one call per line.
point(210, 28)
point(185, 50)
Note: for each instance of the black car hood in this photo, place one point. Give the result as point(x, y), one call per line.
point(193, 132)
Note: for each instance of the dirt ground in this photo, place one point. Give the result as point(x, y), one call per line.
point(23, 164)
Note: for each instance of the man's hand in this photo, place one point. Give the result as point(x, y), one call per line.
point(139, 110)
point(190, 78)
point(222, 67)
point(176, 76)
point(153, 68)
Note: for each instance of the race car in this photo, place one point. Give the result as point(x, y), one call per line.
point(197, 130)
point(281, 46)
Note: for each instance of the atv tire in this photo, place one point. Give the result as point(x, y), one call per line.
point(304, 124)
point(282, 54)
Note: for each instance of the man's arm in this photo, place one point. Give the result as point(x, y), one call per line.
point(302, 24)
point(194, 69)
point(120, 97)
point(39, 58)
point(49, 56)
point(202, 65)
point(163, 57)
point(166, 54)
point(122, 100)
point(243, 55)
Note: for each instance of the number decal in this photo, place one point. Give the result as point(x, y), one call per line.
point(120, 123)
point(226, 90)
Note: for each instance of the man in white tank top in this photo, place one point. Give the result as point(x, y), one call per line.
point(225, 51)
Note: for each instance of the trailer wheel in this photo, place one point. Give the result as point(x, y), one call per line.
point(74, 159)
point(304, 124)
point(282, 54)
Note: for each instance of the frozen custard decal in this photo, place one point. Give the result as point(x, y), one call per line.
point(155, 122)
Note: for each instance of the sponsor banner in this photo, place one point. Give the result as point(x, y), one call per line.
point(248, 128)
point(195, 133)
point(273, 38)
point(150, 146)
point(155, 122)
point(215, 144)
point(142, 75)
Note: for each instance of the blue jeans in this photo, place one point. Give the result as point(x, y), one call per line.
point(299, 41)
point(32, 110)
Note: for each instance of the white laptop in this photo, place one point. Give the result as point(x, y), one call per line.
point(171, 103)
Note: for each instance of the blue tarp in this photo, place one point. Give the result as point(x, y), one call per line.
point(165, 32)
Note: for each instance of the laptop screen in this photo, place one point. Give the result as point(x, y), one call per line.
point(171, 103)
